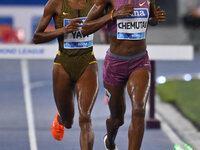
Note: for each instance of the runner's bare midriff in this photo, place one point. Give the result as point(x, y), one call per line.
point(127, 47)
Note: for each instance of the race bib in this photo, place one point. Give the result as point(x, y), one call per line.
point(133, 27)
point(75, 39)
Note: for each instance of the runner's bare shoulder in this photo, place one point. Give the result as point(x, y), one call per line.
point(53, 6)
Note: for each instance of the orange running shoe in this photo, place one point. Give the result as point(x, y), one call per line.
point(57, 129)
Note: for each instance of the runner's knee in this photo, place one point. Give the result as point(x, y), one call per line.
point(139, 109)
point(84, 121)
point(117, 122)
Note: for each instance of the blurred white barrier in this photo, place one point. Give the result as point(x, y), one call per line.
point(48, 51)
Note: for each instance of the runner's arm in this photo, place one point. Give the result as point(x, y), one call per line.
point(152, 18)
point(40, 36)
point(156, 14)
point(96, 19)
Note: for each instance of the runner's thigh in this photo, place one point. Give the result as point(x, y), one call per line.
point(63, 90)
point(138, 86)
point(116, 100)
point(87, 89)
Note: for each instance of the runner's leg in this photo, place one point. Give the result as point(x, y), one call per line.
point(116, 102)
point(63, 90)
point(87, 89)
point(138, 89)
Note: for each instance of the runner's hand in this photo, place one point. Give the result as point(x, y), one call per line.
point(160, 15)
point(73, 25)
point(123, 11)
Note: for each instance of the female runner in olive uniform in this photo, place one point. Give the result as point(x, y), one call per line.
point(75, 67)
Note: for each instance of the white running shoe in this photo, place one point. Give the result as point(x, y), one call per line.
point(104, 141)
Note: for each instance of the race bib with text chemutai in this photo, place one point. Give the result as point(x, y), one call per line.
point(133, 27)
point(75, 39)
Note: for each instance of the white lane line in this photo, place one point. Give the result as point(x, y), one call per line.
point(28, 104)
point(174, 138)
point(182, 131)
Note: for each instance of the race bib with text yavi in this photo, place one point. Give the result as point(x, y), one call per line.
point(75, 39)
point(133, 27)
